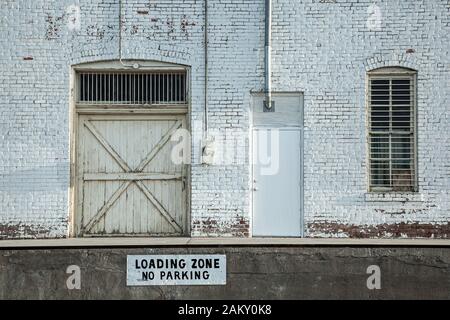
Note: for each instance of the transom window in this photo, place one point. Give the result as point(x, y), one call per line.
point(132, 88)
point(392, 128)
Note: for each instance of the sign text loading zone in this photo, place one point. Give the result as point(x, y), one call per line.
point(176, 270)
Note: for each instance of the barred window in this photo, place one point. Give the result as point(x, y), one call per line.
point(392, 128)
point(150, 88)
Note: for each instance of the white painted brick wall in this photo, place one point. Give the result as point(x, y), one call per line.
point(325, 50)
point(322, 49)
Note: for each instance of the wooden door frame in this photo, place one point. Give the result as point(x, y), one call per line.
point(75, 112)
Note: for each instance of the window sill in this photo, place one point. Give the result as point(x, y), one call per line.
point(393, 197)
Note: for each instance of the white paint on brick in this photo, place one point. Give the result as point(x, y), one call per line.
point(321, 49)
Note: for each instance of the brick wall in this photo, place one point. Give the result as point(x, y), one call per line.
point(323, 49)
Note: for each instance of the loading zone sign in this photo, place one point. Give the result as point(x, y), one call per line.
point(160, 270)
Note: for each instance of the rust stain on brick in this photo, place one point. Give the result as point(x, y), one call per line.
point(28, 58)
point(410, 230)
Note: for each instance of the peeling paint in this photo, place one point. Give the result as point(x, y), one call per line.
point(399, 230)
point(95, 31)
point(54, 25)
point(238, 227)
point(25, 231)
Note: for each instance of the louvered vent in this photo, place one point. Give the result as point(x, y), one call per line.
point(132, 88)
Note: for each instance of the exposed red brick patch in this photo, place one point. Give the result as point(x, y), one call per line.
point(239, 227)
point(410, 230)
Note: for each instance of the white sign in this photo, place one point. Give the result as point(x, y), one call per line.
point(157, 270)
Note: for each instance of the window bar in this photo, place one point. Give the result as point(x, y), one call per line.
point(87, 87)
point(125, 90)
point(81, 90)
point(127, 98)
point(159, 88)
point(120, 90)
point(151, 89)
point(132, 86)
point(130, 89)
point(116, 88)
point(91, 98)
point(180, 92)
point(183, 85)
point(170, 75)
point(167, 88)
point(147, 88)
point(391, 128)
point(164, 89)
point(139, 98)
point(154, 93)
point(109, 87)
point(178, 88)
point(134, 83)
point(96, 87)
point(175, 88)
point(174, 96)
point(101, 91)
point(161, 84)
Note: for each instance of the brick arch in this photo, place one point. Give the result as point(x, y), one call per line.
point(402, 60)
point(175, 58)
point(392, 67)
point(127, 63)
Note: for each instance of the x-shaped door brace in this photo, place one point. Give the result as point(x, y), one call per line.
point(130, 176)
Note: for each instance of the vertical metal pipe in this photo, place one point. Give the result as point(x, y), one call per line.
point(206, 69)
point(267, 56)
point(120, 36)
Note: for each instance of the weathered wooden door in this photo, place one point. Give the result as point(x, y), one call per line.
point(126, 180)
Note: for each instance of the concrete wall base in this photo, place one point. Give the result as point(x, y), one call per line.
point(252, 273)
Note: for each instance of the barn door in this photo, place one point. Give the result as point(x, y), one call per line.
point(127, 181)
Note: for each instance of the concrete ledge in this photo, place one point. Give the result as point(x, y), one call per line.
point(272, 272)
point(218, 242)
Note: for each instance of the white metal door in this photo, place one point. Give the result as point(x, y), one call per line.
point(127, 182)
point(277, 182)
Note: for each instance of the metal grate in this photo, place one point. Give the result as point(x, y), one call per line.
point(392, 133)
point(132, 88)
